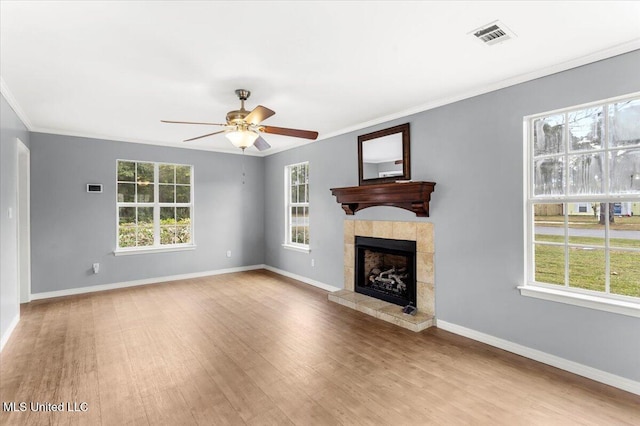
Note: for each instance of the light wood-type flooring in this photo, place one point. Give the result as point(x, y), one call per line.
point(256, 348)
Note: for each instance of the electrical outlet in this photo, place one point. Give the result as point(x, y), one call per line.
point(313, 263)
point(96, 268)
point(228, 253)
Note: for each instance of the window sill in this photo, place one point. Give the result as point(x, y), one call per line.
point(128, 252)
point(585, 300)
point(300, 249)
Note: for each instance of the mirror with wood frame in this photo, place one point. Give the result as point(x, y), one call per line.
point(384, 156)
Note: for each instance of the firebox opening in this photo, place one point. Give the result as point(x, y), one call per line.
point(386, 269)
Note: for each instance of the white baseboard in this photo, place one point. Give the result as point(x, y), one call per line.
point(301, 278)
point(102, 287)
point(12, 326)
point(545, 358)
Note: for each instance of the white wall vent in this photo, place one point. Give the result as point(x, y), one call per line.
point(493, 33)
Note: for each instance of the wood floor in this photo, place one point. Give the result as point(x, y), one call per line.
point(256, 348)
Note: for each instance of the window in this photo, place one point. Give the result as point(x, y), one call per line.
point(155, 205)
point(297, 206)
point(583, 200)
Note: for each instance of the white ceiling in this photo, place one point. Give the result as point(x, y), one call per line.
point(113, 70)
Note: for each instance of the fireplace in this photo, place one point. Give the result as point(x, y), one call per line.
point(386, 269)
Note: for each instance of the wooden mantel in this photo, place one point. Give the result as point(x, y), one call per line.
point(413, 196)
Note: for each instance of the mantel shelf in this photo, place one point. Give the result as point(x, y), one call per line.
point(412, 196)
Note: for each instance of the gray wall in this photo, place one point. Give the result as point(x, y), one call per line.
point(71, 229)
point(11, 128)
point(472, 149)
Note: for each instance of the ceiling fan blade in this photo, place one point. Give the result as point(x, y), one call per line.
point(204, 136)
point(258, 115)
point(296, 133)
point(192, 122)
point(261, 144)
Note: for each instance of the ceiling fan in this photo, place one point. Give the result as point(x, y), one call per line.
point(243, 127)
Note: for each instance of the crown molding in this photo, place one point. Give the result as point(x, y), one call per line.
point(232, 150)
point(13, 103)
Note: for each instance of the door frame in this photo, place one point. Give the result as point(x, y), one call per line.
point(23, 203)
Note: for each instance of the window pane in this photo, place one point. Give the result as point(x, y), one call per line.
point(126, 171)
point(167, 173)
point(549, 264)
point(167, 234)
point(585, 174)
point(303, 173)
point(166, 193)
point(586, 211)
point(548, 222)
point(145, 235)
point(585, 228)
point(586, 268)
point(145, 172)
point(624, 169)
point(127, 215)
point(302, 196)
point(548, 135)
point(183, 214)
point(126, 192)
point(126, 236)
point(625, 229)
point(586, 128)
point(183, 234)
point(145, 215)
point(183, 174)
point(183, 194)
point(294, 194)
point(145, 193)
point(624, 123)
point(168, 215)
point(299, 235)
point(625, 273)
point(548, 176)
point(293, 175)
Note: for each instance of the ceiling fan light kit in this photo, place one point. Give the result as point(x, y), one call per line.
point(243, 127)
point(242, 138)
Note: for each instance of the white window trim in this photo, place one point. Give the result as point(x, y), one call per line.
point(585, 300)
point(142, 250)
point(287, 244)
point(299, 248)
point(622, 305)
point(157, 247)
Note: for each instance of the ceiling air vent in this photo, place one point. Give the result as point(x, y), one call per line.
point(493, 33)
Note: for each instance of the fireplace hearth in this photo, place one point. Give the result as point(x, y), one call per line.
point(420, 233)
point(386, 269)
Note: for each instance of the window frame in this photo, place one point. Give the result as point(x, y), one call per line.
point(288, 204)
point(156, 205)
point(602, 300)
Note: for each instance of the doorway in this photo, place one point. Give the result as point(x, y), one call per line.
point(24, 222)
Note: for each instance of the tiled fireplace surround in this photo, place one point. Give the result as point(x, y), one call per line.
point(422, 234)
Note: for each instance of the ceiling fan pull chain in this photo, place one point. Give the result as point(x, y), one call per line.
point(243, 175)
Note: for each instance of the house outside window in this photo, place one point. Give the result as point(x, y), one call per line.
point(154, 206)
point(583, 200)
point(297, 206)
